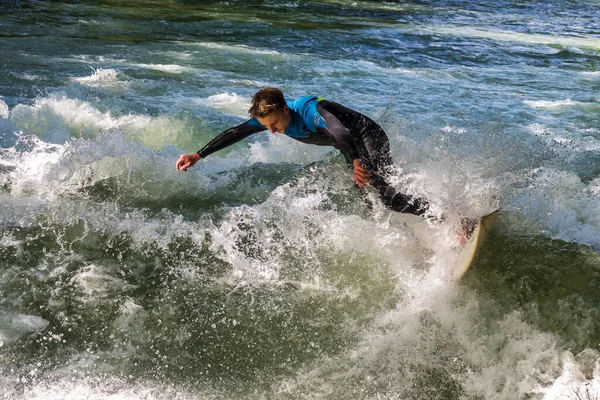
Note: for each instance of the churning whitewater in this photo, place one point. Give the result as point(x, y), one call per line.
point(261, 273)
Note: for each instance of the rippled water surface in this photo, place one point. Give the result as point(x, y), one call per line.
point(260, 273)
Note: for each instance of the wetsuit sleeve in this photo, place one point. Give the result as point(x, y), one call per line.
point(231, 136)
point(334, 129)
point(343, 142)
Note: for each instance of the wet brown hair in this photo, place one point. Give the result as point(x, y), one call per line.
point(267, 101)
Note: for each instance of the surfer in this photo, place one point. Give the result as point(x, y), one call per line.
point(321, 122)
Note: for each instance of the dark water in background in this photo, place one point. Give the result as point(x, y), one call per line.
point(259, 274)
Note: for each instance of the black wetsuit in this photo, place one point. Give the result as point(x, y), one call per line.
point(325, 123)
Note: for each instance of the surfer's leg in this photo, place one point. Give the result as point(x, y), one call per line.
point(396, 201)
point(378, 159)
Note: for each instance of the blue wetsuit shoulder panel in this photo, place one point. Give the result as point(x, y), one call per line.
point(305, 117)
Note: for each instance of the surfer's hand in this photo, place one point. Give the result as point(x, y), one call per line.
point(186, 161)
point(361, 176)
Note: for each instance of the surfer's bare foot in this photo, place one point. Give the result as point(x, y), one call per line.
point(467, 226)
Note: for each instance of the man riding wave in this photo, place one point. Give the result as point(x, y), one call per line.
point(321, 122)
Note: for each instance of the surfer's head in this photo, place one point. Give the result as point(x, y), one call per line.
point(270, 109)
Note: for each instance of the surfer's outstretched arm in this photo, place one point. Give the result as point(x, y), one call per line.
point(222, 140)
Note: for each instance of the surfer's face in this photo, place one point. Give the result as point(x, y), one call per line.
point(276, 122)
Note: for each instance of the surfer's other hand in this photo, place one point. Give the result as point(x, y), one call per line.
point(361, 176)
point(186, 161)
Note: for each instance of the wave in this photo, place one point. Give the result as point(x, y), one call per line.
point(227, 102)
point(4, 110)
point(566, 104)
point(509, 36)
point(59, 118)
point(239, 48)
point(100, 77)
point(564, 204)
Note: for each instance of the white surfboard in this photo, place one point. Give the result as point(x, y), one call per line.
point(471, 247)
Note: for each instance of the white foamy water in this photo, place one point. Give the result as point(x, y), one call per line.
point(261, 273)
point(13, 326)
point(508, 36)
point(562, 104)
point(227, 102)
point(169, 68)
point(233, 48)
point(100, 77)
point(4, 110)
point(430, 313)
point(59, 118)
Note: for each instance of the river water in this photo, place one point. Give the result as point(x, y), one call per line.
point(260, 273)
